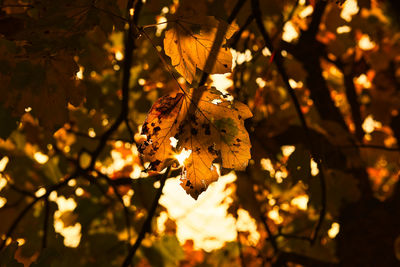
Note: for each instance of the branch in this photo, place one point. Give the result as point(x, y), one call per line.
point(17, 221)
point(157, 177)
point(129, 47)
point(241, 30)
point(22, 214)
point(146, 228)
point(271, 237)
point(282, 71)
point(20, 190)
point(126, 210)
point(45, 222)
point(351, 93)
point(240, 247)
point(322, 212)
point(217, 43)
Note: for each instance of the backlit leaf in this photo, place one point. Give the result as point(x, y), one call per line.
point(213, 130)
point(190, 42)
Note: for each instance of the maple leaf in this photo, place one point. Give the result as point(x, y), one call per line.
point(190, 42)
point(213, 130)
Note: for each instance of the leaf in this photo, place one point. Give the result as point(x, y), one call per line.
point(213, 130)
point(190, 42)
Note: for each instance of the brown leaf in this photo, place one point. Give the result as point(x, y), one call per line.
point(213, 130)
point(189, 44)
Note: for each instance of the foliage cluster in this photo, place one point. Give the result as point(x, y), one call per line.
point(103, 102)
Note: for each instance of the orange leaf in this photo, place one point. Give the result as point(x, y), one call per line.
point(213, 131)
point(190, 42)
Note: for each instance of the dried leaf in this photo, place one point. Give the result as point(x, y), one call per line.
point(213, 130)
point(189, 44)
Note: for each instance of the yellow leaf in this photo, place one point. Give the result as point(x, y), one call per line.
point(212, 129)
point(190, 45)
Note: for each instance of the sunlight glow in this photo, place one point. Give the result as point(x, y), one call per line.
point(289, 32)
point(3, 201)
point(343, 29)
point(266, 52)
point(72, 182)
point(300, 202)
point(181, 157)
point(137, 172)
point(79, 74)
point(260, 82)
point(266, 164)
point(3, 182)
point(72, 233)
point(221, 82)
point(91, 132)
point(314, 168)
point(369, 124)
point(165, 10)
point(118, 55)
point(205, 221)
point(287, 150)
point(40, 157)
point(365, 43)
point(3, 163)
point(245, 223)
point(161, 220)
point(79, 192)
point(161, 24)
point(306, 12)
point(21, 241)
point(141, 81)
point(173, 141)
point(363, 80)
point(127, 200)
point(274, 215)
point(280, 175)
point(240, 58)
point(350, 8)
point(40, 192)
point(334, 230)
point(118, 162)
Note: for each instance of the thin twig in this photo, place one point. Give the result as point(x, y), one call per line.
point(45, 222)
point(121, 200)
point(238, 34)
point(271, 237)
point(130, 131)
point(278, 60)
point(146, 228)
point(17, 221)
point(129, 47)
point(22, 214)
point(20, 190)
point(216, 44)
point(240, 247)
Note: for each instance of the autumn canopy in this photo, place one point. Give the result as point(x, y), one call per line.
point(199, 133)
